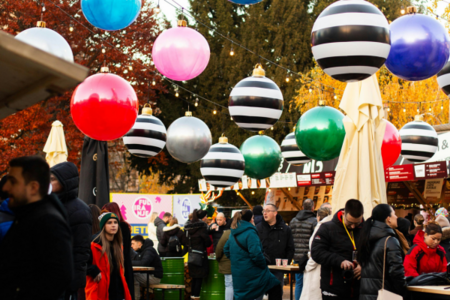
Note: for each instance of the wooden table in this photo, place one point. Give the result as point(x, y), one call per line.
point(291, 270)
point(148, 271)
point(430, 292)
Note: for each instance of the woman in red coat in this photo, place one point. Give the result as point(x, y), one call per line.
point(426, 256)
point(105, 278)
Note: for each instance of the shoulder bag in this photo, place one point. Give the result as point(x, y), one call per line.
point(195, 257)
point(266, 257)
point(385, 294)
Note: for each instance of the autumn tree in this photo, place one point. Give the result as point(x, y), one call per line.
point(126, 52)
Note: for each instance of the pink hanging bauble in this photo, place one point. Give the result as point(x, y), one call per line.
point(181, 53)
point(104, 107)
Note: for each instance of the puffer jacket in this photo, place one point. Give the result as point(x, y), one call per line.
point(159, 224)
point(277, 240)
point(80, 220)
point(169, 232)
point(198, 240)
point(422, 259)
point(147, 257)
point(445, 242)
point(248, 268)
point(302, 227)
point(372, 273)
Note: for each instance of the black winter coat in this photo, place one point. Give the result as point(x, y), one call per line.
point(127, 266)
point(330, 247)
point(198, 239)
point(258, 219)
point(80, 220)
point(372, 272)
point(277, 241)
point(302, 227)
point(159, 223)
point(445, 242)
point(171, 231)
point(147, 257)
point(36, 254)
point(216, 235)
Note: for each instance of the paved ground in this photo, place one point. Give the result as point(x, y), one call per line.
point(286, 292)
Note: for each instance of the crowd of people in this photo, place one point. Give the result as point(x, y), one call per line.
point(54, 246)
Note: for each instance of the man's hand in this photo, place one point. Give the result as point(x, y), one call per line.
point(98, 277)
point(346, 265)
point(214, 226)
point(357, 272)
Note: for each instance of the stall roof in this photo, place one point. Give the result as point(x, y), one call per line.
point(29, 75)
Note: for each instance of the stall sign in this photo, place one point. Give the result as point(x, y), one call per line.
point(399, 173)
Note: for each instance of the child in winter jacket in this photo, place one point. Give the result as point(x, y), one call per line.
point(427, 256)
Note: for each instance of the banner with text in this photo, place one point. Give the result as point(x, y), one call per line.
point(183, 205)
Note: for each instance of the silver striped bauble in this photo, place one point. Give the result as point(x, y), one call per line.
point(419, 140)
point(291, 152)
point(256, 102)
point(224, 164)
point(147, 137)
point(350, 40)
point(443, 78)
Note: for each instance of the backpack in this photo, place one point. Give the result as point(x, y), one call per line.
point(174, 244)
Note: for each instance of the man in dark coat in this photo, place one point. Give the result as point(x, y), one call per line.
point(160, 224)
point(36, 254)
point(64, 180)
point(216, 229)
point(143, 254)
point(276, 238)
point(302, 227)
point(334, 248)
point(257, 214)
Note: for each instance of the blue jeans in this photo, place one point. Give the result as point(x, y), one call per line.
point(298, 285)
point(229, 291)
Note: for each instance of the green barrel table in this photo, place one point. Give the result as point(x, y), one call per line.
point(213, 287)
point(173, 274)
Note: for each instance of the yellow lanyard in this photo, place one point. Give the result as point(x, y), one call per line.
point(352, 238)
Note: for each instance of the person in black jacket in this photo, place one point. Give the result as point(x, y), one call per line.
point(160, 224)
point(276, 238)
point(125, 228)
point(257, 214)
point(174, 240)
point(216, 229)
point(198, 241)
point(377, 232)
point(334, 248)
point(143, 254)
point(64, 180)
point(36, 254)
point(302, 227)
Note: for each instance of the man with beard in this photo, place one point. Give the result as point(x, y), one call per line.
point(36, 253)
point(334, 248)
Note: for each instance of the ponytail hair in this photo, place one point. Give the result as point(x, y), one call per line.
point(194, 216)
point(379, 213)
point(237, 218)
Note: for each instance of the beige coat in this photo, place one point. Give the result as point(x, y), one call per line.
point(311, 276)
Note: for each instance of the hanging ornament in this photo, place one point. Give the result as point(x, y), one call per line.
point(181, 53)
point(350, 40)
point(419, 46)
point(188, 139)
point(443, 78)
point(111, 14)
point(147, 137)
point(392, 145)
point(47, 40)
point(290, 151)
point(419, 140)
point(262, 156)
point(245, 2)
point(256, 102)
point(224, 164)
point(320, 132)
point(104, 107)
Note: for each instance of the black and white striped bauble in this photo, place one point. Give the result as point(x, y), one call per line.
point(443, 78)
point(224, 164)
point(256, 102)
point(291, 152)
point(419, 141)
point(350, 40)
point(147, 137)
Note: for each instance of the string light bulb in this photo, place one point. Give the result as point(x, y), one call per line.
point(404, 110)
point(271, 128)
point(214, 111)
point(310, 90)
point(388, 109)
point(402, 11)
point(287, 77)
point(335, 97)
point(429, 109)
point(153, 82)
point(231, 118)
point(231, 51)
point(71, 27)
point(157, 9)
point(196, 103)
point(130, 67)
point(176, 94)
point(253, 192)
point(103, 50)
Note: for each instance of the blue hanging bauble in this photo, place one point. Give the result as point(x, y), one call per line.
point(245, 2)
point(419, 47)
point(111, 14)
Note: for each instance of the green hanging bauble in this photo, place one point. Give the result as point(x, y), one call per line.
point(262, 156)
point(320, 132)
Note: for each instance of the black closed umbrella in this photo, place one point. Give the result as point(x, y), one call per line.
point(94, 175)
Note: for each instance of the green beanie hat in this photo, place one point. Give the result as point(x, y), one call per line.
point(104, 217)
